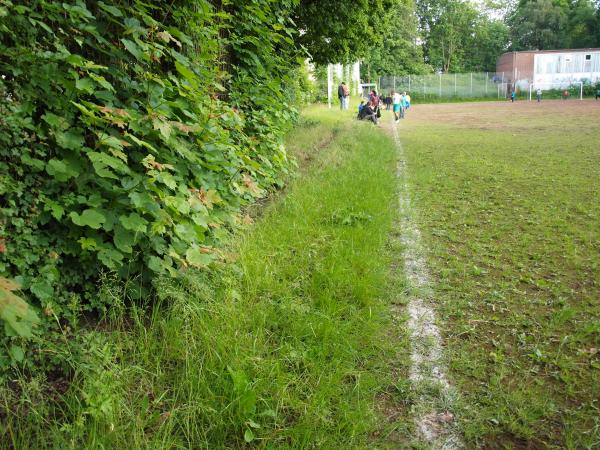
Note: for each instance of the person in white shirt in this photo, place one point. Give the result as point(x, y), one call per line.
point(396, 100)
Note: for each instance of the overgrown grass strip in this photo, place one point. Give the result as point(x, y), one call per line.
point(286, 349)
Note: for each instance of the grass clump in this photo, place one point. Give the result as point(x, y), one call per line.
point(286, 348)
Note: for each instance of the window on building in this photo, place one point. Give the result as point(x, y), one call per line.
point(587, 63)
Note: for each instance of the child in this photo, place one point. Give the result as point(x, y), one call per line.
point(360, 108)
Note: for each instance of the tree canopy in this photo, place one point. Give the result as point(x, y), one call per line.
point(340, 31)
point(416, 36)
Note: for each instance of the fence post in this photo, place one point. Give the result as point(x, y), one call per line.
point(486, 82)
point(530, 88)
point(409, 83)
point(581, 90)
point(440, 85)
point(394, 82)
point(471, 84)
point(455, 85)
point(329, 85)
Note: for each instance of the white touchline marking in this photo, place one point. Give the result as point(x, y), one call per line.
point(435, 396)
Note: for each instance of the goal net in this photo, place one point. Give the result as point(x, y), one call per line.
point(566, 90)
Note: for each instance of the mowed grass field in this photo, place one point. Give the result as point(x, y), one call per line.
point(508, 199)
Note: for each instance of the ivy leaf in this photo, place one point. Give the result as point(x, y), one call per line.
point(37, 164)
point(56, 122)
point(154, 263)
point(90, 217)
point(209, 198)
point(133, 48)
point(168, 179)
point(55, 209)
point(102, 82)
point(71, 140)
point(110, 9)
point(111, 141)
point(140, 142)
point(134, 222)
point(198, 257)
point(42, 290)
point(87, 243)
point(186, 231)
point(179, 204)
point(62, 170)
point(85, 84)
point(16, 353)
point(111, 258)
point(101, 161)
point(123, 239)
point(187, 73)
point(165, 128)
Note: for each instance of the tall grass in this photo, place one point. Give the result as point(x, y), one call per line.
point(286, 348)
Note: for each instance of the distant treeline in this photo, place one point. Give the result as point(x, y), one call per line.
point(421, 36)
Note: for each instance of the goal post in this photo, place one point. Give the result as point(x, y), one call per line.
point(557, 89)
point(369, 87)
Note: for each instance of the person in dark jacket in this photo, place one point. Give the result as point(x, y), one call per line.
point(368, 113)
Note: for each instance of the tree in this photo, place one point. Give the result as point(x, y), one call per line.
point(583, 25)
point(489, 40)
point(539, 25)
point(399, 53)
point(340, 31)
point(447, 26)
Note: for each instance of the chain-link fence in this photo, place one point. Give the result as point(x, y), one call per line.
point(448, 85)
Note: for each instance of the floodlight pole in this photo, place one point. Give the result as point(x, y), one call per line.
point(581, 90)
point(530, 89)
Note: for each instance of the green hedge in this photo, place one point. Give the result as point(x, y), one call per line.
point(132, 132)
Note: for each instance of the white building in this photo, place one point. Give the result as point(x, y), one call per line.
point(566, 67)
point(550, 68)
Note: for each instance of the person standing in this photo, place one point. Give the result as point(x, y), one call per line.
point(538, 94)
point(396, 102)
point(343, 95)
point(404, 104)
point(513, 95)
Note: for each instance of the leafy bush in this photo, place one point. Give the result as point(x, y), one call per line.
point(132, 134)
